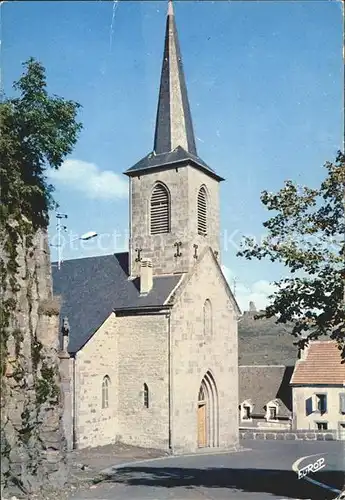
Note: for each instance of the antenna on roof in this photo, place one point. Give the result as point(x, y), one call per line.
point(60, 228)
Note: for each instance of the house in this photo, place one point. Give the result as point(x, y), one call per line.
point(149, 337)
point(318, 388)
point(265, 397)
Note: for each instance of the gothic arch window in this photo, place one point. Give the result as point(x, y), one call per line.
point(105, 392)
point(202, 211)
point(160, 209)
point(207, 318)
point(146, 396)
point(201, 396)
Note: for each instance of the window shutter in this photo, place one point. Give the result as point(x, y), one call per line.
point(342, 402)
point(309, 406)
point(202, 211)
point(160, 210)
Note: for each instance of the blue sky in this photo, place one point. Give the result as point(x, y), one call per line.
point(265, 86)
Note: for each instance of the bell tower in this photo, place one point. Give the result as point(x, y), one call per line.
point(174, 195)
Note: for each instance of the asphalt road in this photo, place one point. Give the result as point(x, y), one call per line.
point(262, 472)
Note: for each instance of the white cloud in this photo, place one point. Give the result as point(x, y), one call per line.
point(256, 292)
point(89, 179)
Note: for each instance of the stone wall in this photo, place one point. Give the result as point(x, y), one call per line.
point(305, 435)
point(94, 425)
point(131, 351)
point(143, 359)
point(33, 451)
point(260, 424)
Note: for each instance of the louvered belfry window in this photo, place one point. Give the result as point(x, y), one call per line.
point(202, 211)
point(160, 210)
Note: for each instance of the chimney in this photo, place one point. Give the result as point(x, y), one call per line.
point(146, 279)
point(302, 353)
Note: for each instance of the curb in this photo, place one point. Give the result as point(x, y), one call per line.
point(105, 473)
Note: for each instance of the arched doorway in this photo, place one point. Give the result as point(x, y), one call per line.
point(208, 413)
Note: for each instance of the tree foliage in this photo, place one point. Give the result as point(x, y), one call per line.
point(307, 235)
point(37, 132)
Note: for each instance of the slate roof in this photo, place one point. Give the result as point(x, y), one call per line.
point(173, 159)
point(173, 112)
point(91, 288)
point(262, 384)
point(162, 142)
point(322, 365)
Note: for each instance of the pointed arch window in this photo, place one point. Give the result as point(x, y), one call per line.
point(202, 211)
point(207, 318)
point(105, 392)
point(146, 396)
point(160, 210)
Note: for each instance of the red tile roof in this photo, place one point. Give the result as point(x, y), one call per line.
point(322, 365)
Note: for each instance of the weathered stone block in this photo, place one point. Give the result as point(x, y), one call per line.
point(270, 435)
point(247, 435)
point(5, 464)
point(18, 455)
point(290, 437)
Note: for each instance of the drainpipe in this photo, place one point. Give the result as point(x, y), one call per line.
point(170, 381)
point(74, 432)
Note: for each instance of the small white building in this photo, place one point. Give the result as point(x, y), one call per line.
point(318, 389)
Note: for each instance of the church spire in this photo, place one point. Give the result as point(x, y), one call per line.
point(174, 122)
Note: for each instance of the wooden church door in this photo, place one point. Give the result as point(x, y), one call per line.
point(202, 425)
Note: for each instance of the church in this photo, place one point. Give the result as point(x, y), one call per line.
point(149, 337)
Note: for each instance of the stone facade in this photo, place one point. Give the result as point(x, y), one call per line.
point(195, 353)
point(183, 184)
point(143, 347)
point(334, 418)
point(94, 425)
point(131, 351)
point(169, 352)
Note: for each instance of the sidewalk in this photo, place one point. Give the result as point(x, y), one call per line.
point(86, 464)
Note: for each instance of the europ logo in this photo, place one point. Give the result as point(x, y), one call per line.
point(316, 466)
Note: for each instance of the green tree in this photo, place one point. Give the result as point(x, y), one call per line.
point(37, 132)
point(306, 234)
